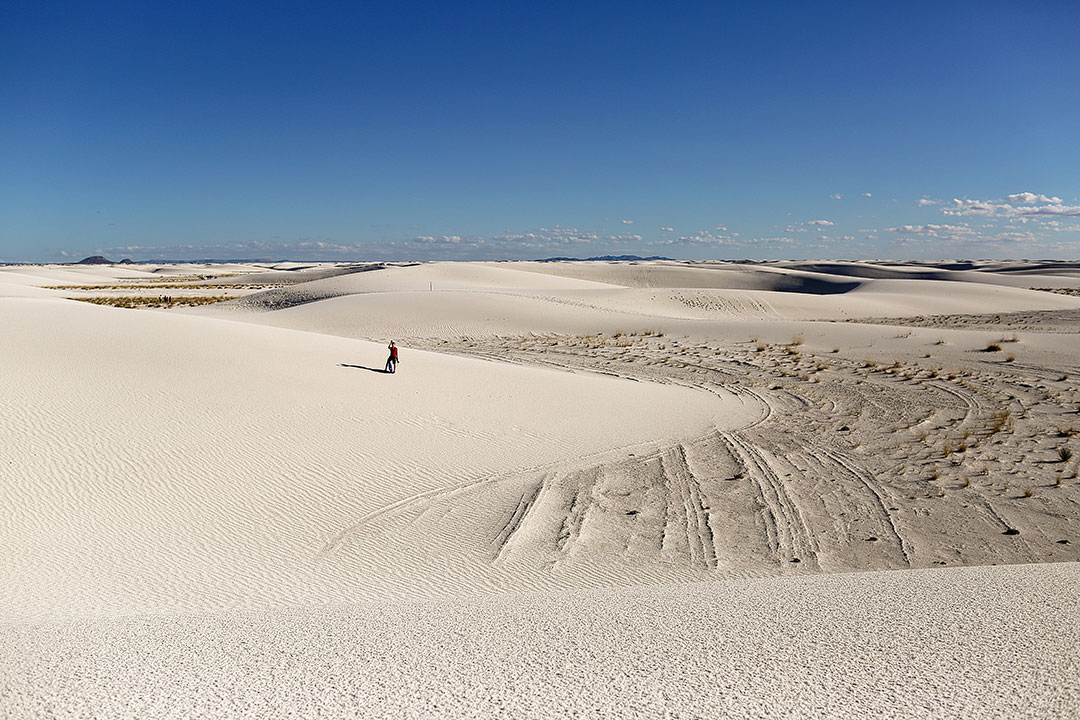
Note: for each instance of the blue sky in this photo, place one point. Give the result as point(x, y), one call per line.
point(523, 130)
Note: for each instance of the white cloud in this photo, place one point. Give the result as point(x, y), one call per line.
point(708, 239)
point(509, 245)
point(627, 222)
point(667, 229)
point(1018, 205)
point(940, 232)
point(701, 238)
point(962, 234)
point(1028, 198)
point(837, 196)
point(923, 202)
point(437, 240)
point(821, 223)
point(867, 195)
point(1017, 237)
point(770, 241)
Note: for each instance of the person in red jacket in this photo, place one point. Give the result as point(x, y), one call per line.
point(391, 362)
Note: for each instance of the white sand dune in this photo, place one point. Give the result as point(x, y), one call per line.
point(961, 643)
point(807, 277)
point(226, 464)
point(603, 489)
point(515, 298)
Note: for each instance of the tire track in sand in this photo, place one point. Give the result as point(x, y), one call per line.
point(790, 538)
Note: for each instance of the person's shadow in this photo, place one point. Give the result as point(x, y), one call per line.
point(361, 367)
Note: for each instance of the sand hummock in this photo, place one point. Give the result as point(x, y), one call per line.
point(615, 489)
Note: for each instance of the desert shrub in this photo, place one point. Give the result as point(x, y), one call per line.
point(161, 301)
point(1001, 421)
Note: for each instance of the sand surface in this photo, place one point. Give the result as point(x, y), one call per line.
point(617, 489)
point(970, 642)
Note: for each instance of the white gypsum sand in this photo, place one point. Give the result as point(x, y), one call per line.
point(556, 505)
point(960, 642)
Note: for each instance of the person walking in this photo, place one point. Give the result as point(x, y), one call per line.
point(391, 362)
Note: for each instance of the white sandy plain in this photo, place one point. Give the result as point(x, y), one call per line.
point(228, 511)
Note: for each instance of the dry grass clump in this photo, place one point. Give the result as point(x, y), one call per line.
point(1002, 421)
point(992, 347)
point(1065, 454)
point(161, 301)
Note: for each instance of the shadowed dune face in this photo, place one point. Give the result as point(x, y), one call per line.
point(996, 274)
point(661, 274)
point(1054, 268)
point(875, 272)
point(812, 285)
point(301, 274)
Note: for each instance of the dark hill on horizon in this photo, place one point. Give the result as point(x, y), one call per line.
point(605, 258)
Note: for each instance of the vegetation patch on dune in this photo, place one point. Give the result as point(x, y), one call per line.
point(161, 301)
point(1075, 292)
point(193, 284)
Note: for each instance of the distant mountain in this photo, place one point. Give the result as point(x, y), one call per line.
point(605, 258)
point(95, 260)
